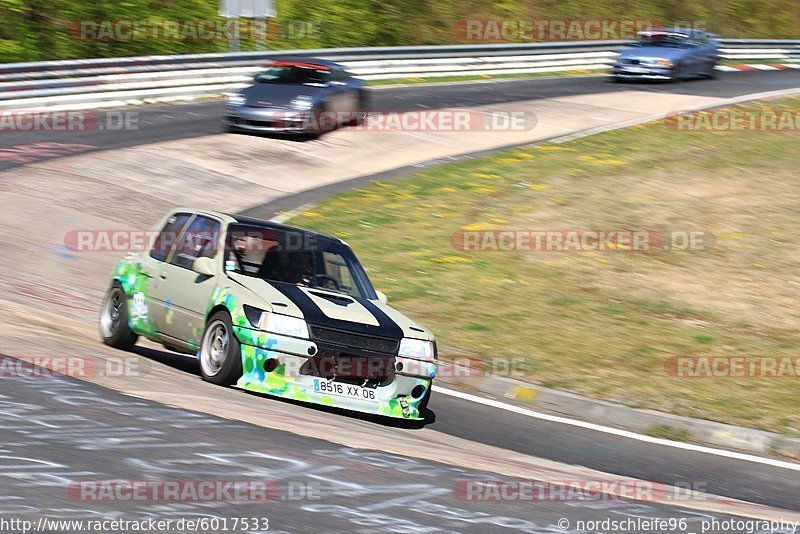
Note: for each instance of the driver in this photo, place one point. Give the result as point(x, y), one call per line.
point(297, 267)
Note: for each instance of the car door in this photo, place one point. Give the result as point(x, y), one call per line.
point(690, 60)
point(710, 54)
point(152, 263)
point(344, 98)
point(183, 293)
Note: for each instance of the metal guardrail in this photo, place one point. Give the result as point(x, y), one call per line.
point(87, 83)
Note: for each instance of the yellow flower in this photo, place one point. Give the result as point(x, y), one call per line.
point(732, 235)
point(451, 259)
point(475, 227)
point(554, 148)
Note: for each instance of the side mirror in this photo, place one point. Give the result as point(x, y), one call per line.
point(204, 266)
point(382, 297)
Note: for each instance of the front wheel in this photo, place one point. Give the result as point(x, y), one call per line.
point(679, 73)
point(423, 405)
point(220, 353)
point(114, 328)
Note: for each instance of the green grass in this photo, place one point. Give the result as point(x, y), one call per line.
point(603, 324)
point(573, 72)
point(668, 432)
point(473, 77)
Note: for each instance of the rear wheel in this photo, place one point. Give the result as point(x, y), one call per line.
point(114, 328)
point(363, 108)
point(220, 353)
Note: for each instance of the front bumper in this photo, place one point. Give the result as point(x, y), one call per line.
point(290, 368)
point(268, 120)
point(624, 71)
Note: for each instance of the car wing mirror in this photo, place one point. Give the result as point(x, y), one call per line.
point(204, 266)
point(382, 297)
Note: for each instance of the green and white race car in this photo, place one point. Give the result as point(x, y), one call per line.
point(272, 309)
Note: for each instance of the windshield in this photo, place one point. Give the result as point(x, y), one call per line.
point(293, 75)
point(296, 257)
point(664, 39)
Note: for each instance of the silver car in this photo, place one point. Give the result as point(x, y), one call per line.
point(669, 55)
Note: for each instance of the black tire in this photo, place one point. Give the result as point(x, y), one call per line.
point(114, 328)
point(220, 352)
point(679, 73)
point(423, 405)
point(363, 108)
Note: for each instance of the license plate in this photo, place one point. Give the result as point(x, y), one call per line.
point(636, 70)
point(338, 389)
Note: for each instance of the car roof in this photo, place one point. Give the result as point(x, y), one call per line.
point(260, 223)
point(228, 218)
point(308, 62)
point(683, 32)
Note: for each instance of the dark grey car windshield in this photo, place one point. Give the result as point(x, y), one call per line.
point(667, 40)
point(291, 75)
point(296, 257)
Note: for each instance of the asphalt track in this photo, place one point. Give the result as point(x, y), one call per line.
point(89, 436)
point(751, 482)
point(164, 123)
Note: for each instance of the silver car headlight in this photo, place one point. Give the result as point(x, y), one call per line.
point(417, 349)
point(276, 323)
point(302, 102)
point(655, 62)
point(236, 99)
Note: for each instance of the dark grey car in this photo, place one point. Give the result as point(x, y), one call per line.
point(673, 55)
point(297, 95)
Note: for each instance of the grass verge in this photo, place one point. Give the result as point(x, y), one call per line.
point(604, 324)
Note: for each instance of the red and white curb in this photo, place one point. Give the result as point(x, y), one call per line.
point(758, 66)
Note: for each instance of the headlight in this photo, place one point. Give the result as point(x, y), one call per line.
point(417, 349)
point(236, 100)
point(276, 323)
point(302, 102)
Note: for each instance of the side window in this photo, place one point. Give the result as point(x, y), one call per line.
point(247, 248)
point(168, 236)
point(338, 75)
point(199, 241)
